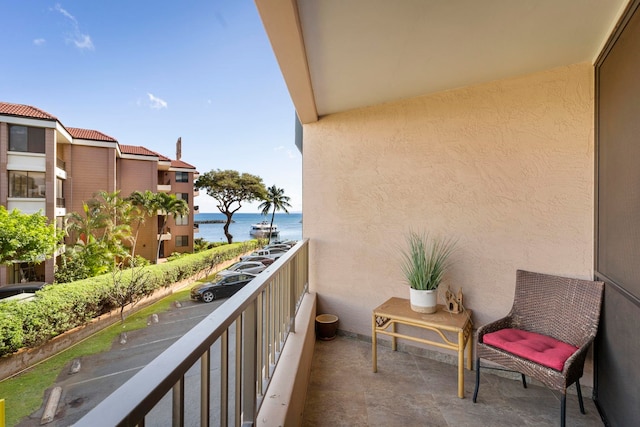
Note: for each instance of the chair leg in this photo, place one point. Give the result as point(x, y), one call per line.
point(524, 381)
point(475, 392)
point(563, 409)
point(580, 397)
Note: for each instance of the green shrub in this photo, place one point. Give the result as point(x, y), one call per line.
point(60, 307)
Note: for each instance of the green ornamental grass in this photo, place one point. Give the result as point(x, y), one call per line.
point(426, 260)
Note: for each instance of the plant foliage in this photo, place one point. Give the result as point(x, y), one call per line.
point(426, 260)
point(230, 189)
point(60, 307)
point(274, 199)
point(26, 237)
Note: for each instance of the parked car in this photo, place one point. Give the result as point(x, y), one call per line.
point(20, 288)
point(277, 246)
point(265, 260)
point(253, 267)
point(224, 286)
point(275, 254)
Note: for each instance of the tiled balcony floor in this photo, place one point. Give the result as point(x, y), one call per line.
point(410, 390)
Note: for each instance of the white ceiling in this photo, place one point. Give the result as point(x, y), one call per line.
point(366, 52)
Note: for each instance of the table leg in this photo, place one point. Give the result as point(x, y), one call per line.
point(470, 351)
point(374, 355)
point(461, 364)
point(394, 343)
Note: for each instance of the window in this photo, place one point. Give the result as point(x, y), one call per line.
point(26, 184)
point(182, 177)
point(182, 241)
point(182, 219)
point(26, 139)
point(183, 196)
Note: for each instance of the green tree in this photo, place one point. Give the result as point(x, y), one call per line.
point(145, 204)
point(101, 231)
point(230, 188)
point(116, 213)
point(26, 237)
point(168, 204)
point(129, 285)
point(274, 199)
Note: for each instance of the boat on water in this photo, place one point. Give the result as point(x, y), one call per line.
point(263, 228)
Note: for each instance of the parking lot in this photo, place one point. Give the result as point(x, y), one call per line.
point(101, 374)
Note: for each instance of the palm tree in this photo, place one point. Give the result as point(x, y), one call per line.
point(276, 200)
point(145, 203)
point(168, 204)
point(116, 212)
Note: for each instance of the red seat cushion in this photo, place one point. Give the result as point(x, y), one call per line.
point(538, 348)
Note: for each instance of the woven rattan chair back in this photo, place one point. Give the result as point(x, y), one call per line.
point(563, 308)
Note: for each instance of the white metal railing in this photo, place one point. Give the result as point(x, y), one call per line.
point(249, 330)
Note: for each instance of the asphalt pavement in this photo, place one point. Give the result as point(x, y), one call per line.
point(101, 374)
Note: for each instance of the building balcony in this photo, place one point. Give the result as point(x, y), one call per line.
point(165, 236)
point(164, 188)
point(196, 192)
point(322, 383)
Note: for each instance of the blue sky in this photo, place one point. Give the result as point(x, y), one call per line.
point(147, 72)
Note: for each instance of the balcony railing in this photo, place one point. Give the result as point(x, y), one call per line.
point(60, 202)
point(257, 320)
point(60, 164)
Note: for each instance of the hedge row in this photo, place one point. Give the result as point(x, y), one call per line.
point(61, 307)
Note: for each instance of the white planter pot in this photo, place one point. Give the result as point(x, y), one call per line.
point(423, 301)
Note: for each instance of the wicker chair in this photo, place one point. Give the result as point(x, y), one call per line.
point(557, 310)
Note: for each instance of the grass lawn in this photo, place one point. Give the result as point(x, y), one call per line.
point(24, 393)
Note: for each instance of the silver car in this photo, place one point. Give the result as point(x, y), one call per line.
point(252, 267)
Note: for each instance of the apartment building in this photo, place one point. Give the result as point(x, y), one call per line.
point(48, 167)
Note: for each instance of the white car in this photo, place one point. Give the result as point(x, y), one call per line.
point(252, 267)
point(275, 254)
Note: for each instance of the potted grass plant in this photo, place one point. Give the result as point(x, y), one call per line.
point(424, 264)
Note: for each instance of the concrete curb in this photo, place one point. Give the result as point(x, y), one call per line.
point(52, 406)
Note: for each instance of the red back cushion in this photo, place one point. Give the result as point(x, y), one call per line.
point(538, 348)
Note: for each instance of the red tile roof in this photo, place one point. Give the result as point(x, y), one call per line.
point(20, 110)
point(89, 134)
point(142, 151)
point(24, 111)
point(181, 164)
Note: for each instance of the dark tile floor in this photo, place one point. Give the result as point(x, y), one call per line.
point(410, 390)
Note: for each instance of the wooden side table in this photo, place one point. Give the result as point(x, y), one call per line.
point(397, 311)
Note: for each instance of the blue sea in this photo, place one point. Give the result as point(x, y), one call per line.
point(290, 226)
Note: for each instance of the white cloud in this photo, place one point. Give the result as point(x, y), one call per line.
point(156, 103)
point(80, 40)
point(290, 154)
point(279, 148)
point(83, 41)
point(39, 42)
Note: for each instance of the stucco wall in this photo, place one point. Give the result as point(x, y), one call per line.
point(504, 167)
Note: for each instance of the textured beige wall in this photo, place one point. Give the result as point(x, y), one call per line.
point(505, 167)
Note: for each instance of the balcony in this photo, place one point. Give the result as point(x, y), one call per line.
point(165, 236)
point(196, 192)
point(409, 389)
point(249, 332)
point(164, 188)
point(412, 385)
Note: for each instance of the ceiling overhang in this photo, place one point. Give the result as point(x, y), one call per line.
point(338, 55)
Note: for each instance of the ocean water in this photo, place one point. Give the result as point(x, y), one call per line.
point(290, 226)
